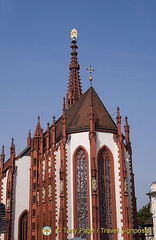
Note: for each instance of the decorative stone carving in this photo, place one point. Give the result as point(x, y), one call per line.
point(61, 186)
point(37, 197)
point(43, 194)
point(94, 184)
point(8, 204)
point(125, 185)
point(50, 190)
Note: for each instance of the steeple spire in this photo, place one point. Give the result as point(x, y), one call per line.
point(29, 138)
point(127, 135)
point(74, 84)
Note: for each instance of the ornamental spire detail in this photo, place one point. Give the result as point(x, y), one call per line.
point(38, 128)
point(74, 84)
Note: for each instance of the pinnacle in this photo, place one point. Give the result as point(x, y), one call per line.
point(74, 84)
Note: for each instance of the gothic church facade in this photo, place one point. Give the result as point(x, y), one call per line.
point(76, 177)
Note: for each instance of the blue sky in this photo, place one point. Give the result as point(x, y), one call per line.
point(116, 37)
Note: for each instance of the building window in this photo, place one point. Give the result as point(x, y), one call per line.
point(34, 186)
point(105, 198)
point(33, 226)
point(81, 184)
point(34, 212)
point(34, 173)
point(34, 199)
point(23, 225)
point(34, 161)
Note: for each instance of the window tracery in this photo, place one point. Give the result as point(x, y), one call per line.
point(24, 226)
point(82, 203)
point(105, 199)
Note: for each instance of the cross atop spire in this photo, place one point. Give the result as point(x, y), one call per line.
point(90, 69)
point(74, 84)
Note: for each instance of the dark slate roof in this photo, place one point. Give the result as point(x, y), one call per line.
point(78, 115)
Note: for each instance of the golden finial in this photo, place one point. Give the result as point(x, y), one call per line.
point(73, 33)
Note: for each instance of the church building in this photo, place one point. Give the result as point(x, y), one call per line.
point(75, 179)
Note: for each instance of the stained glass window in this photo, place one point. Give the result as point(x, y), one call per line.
point(82, 202)
point(105, 203)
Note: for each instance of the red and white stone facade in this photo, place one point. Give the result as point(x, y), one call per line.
point(76, 177)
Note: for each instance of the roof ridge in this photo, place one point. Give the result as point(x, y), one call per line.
point(104, 106)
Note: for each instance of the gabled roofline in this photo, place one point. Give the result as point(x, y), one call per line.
point(23, 152)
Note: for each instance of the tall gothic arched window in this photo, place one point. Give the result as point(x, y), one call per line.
point(23, 226)
point(105, 196)
point(81, 191)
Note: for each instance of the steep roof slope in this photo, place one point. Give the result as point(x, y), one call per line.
point(78, 115)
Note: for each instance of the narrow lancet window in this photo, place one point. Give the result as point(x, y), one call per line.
point(105, 198)
point(82, 202)
point(24, 226)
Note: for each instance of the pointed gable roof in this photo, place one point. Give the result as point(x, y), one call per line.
point(78, 115)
